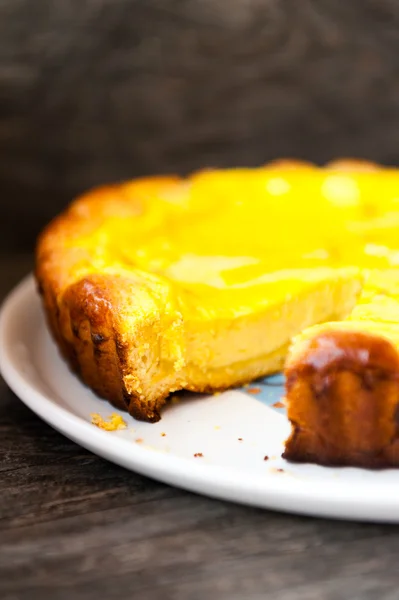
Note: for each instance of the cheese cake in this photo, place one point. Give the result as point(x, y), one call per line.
point(201, 283)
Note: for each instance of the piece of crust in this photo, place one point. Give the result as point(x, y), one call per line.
point(342, 392)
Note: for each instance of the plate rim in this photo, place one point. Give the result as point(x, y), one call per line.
point(283, 493)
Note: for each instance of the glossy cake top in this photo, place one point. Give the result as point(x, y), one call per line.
point(246, 235)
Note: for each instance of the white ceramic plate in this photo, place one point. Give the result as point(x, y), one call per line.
point(232, 431)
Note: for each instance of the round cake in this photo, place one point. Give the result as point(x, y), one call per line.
point(210, 281)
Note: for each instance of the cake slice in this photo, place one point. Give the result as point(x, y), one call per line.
point(343, 384)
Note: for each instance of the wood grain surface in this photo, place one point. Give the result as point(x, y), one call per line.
point(102, 90)
point(73, 526)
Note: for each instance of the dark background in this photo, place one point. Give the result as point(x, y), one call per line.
point(101, 90)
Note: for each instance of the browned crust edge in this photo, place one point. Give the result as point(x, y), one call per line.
point(83, 315)
point(343, 401)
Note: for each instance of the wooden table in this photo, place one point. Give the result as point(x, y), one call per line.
point(73, 526)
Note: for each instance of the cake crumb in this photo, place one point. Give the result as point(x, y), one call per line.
point(217, 427)
point(278, 405)
point(198, 455)
point(240, 439)
point(274, 470)
point(113, 422)
point(163, 434)
point(266, 457)
point(254, 390)
point(139, 440)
